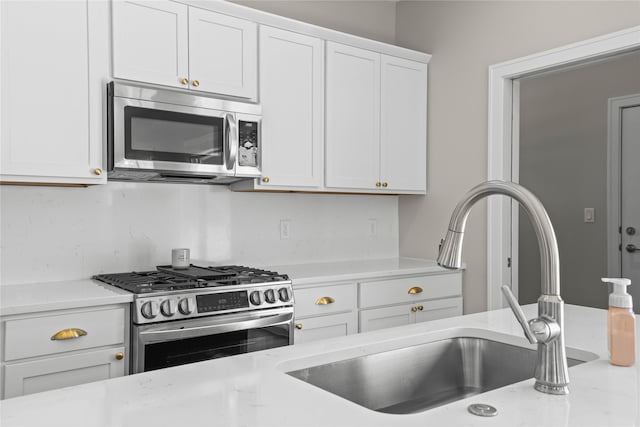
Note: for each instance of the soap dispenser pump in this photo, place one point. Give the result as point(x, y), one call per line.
point(621, 324)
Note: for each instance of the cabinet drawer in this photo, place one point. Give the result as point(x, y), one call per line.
point(32, 337)
point(396, 291)
point(309, 301)
point(57, 372)
point(323, 327)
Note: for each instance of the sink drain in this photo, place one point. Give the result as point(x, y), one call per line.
point(483, 410)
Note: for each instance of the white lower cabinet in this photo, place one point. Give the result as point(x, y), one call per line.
point(407, 314)
point(45, 351)
point(55, 372)
point(338, 309)
point(322, 327)
point(325, 311)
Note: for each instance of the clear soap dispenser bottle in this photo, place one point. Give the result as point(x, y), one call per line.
point(621, 324)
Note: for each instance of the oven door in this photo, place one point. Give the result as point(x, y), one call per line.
point(186, 341)
point(157, 136)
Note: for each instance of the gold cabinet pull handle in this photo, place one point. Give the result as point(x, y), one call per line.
point(298, 325)
point(265, 179)
point(378, 184)
point(420, 308)
point(415, 290)
point(97, 171)
point(196, 83)
point(385, 184)
point(184, 81)
point(325, 301)
point(68, 334)
point(119, 355)
point(414, 309)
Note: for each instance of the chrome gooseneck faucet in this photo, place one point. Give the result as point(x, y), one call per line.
point(552, 374)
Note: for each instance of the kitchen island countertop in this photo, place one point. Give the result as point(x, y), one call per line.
point(254, 390)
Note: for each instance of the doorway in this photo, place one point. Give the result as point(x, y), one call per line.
point(503, 94)
point(562, 158)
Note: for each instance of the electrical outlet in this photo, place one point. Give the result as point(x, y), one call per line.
point(285, 228)
point(589, 215)
point(373, 227)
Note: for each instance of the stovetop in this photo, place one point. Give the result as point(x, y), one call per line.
point(167, 278)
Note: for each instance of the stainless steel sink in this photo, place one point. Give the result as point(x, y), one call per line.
point(417, 378)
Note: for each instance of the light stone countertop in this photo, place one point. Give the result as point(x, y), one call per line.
point(38, 297)
point(323, 272)
point(254, 390)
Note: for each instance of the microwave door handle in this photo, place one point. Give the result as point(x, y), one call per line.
point(232, 141)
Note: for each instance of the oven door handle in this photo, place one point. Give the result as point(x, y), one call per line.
point(172, 333)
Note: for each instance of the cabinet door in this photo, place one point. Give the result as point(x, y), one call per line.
point(353, 117)
point(292, 98)
point(150, 41)
point(439, 309)
point(322, 327)
point(223, 54)
point(56, 372)
point(54, 60)
point(403, 124)
point(386, 317)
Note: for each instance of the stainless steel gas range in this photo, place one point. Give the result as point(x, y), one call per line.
point(200, 313)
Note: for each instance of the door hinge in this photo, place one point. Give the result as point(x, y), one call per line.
point(509, 262)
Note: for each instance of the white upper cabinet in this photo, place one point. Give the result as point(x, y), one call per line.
point(168, 43)
point(353, 117)
point(376, 121)
point(150, 42)
point(222, 54)
point(292, 98)
point(403, 124)
point(54, 62)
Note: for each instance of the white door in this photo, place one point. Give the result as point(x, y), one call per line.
point(223, 54)
point(292, 98)
point(353, 118)
point(54, 68)
point(630, 199)
point(150, 42)
point(403, 124)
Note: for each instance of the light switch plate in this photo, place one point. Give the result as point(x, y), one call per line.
point(589, 215)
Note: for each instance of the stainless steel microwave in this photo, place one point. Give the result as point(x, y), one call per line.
point(161, 135)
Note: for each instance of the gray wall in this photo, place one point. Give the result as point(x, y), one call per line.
point(465, 38)
point(374, 20)
point(563, 160)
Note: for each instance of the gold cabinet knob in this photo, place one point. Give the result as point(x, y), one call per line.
point(378, 184)
point(420, 308)
point(184, 81)
point(385, 184)
point(298, 325)
point(195, 83)
point(414, 290)
point(414, 309)
point(119, 355)
point(265, 179)
point(325, 301)
point(97, 171)
point(68, 334)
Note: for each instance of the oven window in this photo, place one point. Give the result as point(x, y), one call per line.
point(160, 135)
point(189, 350)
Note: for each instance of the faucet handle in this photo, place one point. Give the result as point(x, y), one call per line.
point(517, 311)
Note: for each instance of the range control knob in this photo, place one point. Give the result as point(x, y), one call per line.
point(149, 309)
point(270, 296)
point(284, 295)
point(255, 298)
point(186, 306)
point(168, 307)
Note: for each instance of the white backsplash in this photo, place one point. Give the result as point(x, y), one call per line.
point(51, 234)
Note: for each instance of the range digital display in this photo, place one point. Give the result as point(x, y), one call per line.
point(222, 301)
